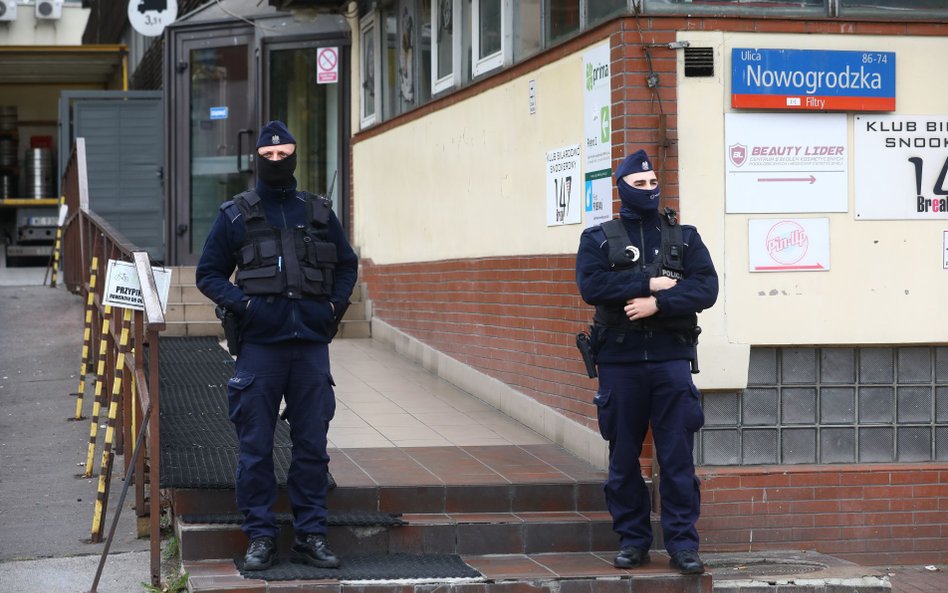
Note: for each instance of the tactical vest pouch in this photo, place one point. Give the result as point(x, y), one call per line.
point(262, 280)
point(317, 281)
point(325, 253)
point(268, 250)
point(247, 254)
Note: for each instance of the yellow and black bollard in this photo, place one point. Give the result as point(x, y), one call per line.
point(86, 340)
point(57, 248)
point(105, 468)
point(99, 382)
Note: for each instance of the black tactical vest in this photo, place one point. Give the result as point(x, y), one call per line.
point(624, 255)
point(297, 262)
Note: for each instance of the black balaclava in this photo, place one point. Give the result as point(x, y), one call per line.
point(636, 203)
point(276, 174)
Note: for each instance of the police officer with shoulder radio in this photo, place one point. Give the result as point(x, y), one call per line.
point(295, 274)
point(647, 276)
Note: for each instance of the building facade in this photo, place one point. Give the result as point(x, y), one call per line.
point(824, 365)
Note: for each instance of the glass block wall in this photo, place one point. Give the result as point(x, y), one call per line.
point(831, 405)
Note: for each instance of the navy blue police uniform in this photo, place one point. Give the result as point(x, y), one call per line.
point(644, 369)
point(295, 270)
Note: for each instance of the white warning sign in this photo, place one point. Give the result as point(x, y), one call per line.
point(122, 288)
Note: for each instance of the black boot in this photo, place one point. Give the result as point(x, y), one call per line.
point(260, 554)
point(313, 549)
point(687, 562)
point(631, 557)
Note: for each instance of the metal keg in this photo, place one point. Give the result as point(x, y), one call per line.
point(7, 186)
point(39, 173)
point(8, 118)
point(7, 152)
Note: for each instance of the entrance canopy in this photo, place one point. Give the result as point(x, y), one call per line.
point(101, 65)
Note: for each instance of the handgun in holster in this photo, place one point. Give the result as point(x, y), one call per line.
point(694, 363)
point(231, 328)
point(337, 318)
point(588, 352)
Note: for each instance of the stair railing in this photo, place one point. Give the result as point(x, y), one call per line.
point(89, 242)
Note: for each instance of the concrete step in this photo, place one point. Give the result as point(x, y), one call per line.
point(186, 293)
point(183, 289)
point(426, 533)
point(177, 329)
point(190, 312)
point(580, 497)
point(583, 572)
point(183, 275)
point(354, 329)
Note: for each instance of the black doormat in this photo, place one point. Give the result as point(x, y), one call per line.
point(335, 518)
point(376, 567)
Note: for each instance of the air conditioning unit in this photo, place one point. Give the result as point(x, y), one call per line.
point(7, 10)
point(49, 9)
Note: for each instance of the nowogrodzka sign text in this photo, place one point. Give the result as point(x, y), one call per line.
point(812, 80)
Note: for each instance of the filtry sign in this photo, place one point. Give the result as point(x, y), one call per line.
point(812, 80)
point(901, 165)
point(122, 288)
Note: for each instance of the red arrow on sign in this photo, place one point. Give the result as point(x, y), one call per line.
point(812, 267)
point(811, 179)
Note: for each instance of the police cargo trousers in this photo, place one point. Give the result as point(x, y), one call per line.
point(630, 397)
point(299, 372)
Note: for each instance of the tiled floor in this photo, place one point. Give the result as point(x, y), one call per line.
point(384, 400)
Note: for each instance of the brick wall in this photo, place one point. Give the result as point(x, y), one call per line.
point(875, 515)
point(513, 318)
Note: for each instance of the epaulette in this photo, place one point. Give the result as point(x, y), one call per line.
point(230, 209)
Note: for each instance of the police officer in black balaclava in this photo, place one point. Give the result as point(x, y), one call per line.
point(295, 271)
point(647, 284)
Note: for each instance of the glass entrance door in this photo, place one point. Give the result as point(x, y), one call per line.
point(314, 113)
point(215, 106)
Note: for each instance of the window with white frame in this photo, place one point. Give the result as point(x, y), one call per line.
point(445, 44)
point(370, 66)
point(562, 19)
point(414, 49)
point(407, 48)
point(527, 20)
point(599, 10)
point(491, 34)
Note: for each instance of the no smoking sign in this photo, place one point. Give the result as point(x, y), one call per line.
point(327, 65)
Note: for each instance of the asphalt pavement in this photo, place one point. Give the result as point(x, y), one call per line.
point(46, 508)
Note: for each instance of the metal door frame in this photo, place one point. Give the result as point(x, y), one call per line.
point(343, 42)
point(177, 98)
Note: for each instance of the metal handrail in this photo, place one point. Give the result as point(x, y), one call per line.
point(88, 238)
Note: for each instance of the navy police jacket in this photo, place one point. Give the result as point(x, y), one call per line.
point(274, 318)
point(599, 284)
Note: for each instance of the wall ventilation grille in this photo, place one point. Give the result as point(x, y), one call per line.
point(699, 62)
